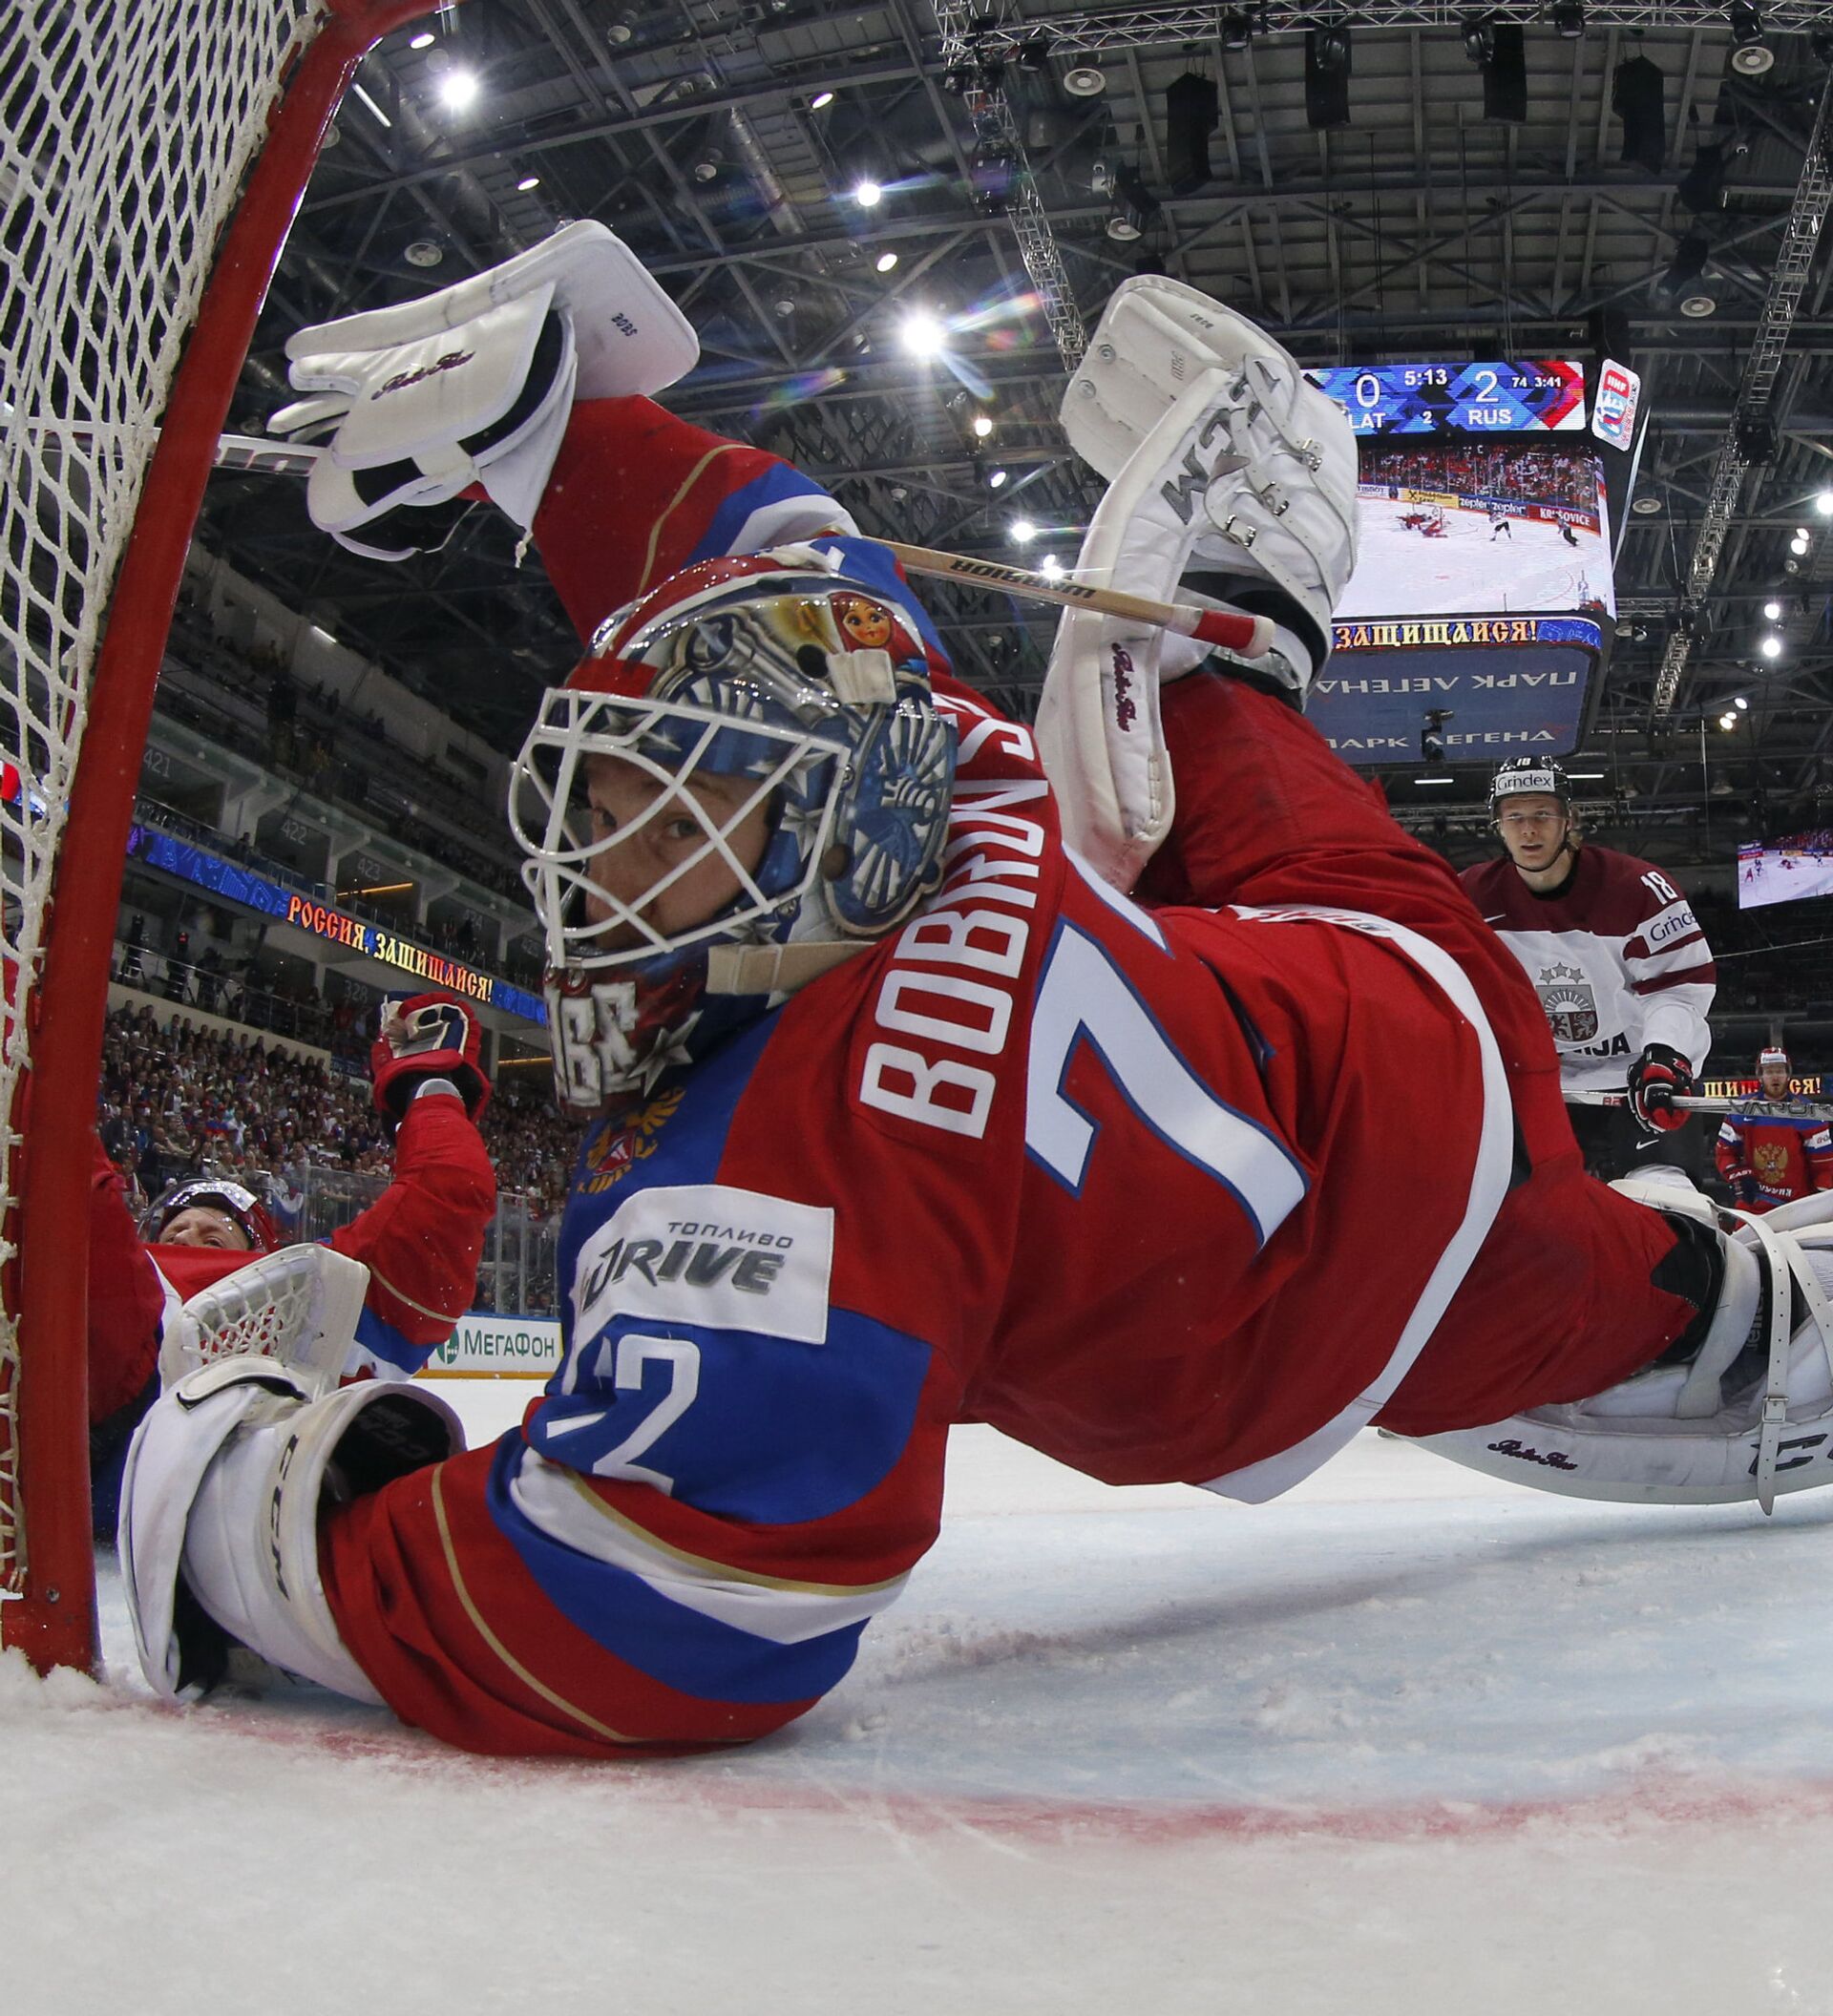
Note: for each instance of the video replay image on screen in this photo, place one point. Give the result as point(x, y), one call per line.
point(1450, 528)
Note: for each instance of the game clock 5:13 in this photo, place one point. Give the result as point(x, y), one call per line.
point(1541, 395)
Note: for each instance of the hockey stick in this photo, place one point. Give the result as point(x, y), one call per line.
point(1229, 629)
point(1810, 1109)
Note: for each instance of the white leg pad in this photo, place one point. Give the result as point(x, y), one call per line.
point(1672, 1434)
point(220, 1503)
point(299, 1306)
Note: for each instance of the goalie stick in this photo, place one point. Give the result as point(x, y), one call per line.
point(1227, 629)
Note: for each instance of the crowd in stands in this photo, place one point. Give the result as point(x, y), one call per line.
point(182, 1100)
point(1533, 474)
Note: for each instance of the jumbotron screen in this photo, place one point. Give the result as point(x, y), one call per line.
point(1453, 529)
point(1483, 587)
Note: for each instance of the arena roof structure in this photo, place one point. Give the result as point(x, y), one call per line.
point(1030, 156)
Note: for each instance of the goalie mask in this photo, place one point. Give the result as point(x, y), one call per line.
point(231, 1201)
point(744, 781)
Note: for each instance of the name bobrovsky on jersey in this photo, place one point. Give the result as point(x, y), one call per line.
point(946, 1004)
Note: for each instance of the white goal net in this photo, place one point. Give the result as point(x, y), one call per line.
point(129, 131)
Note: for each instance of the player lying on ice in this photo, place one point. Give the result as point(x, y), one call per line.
point(905, 1114)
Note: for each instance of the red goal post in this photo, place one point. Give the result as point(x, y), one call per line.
point(155, 158)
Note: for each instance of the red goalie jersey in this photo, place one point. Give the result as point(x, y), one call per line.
point(1772, 1151)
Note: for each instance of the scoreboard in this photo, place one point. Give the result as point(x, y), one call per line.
point(1542, 395)
point(1481, 597)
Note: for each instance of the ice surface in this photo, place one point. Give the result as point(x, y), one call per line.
point(1530, 568)
point(1408, 1741)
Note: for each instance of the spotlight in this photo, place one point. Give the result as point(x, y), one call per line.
point(1646, 507)
point(1698, 307)
point(995, 480)
point(425, 39)
point(820, 101)
point(1327, 67)
point(959, 77)
point(622, 28)
point(1084, 81)
point(1749, 58)
point(982, 425)
point(458, 89)
point(707, 166)
point(1798, 548)
point(922, 335)
point(1727, 722)
point(1569, 19)
point(1771, 648)
point(868, 194)
point(1742, 705)
point(1479, 37)
point(1824, 503)
point(424, 252)
point(1023, 532)
point(1051, 567)
point(1034, 51)
point(1773, 612)
point(1237, 30)
point(885, 262)
point(528, 182)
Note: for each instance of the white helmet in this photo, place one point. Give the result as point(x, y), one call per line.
point(806, 690)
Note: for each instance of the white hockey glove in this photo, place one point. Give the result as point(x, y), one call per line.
point(474, 384)
point(1746, 1412)
point(1231, 478)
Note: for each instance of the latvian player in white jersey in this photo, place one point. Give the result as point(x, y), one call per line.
point(1618, 960)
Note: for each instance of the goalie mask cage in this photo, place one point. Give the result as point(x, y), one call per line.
point(155, 152)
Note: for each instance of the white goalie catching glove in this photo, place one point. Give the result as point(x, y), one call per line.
point(1744, 1412)
point(1232, 483)
point(473, 386)
point(221, 1498)
point(298, 1307)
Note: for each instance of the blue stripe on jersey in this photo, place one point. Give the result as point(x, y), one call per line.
point(389, 1344)
point(772, 486)
point(677, 1647)
point(777, 1432)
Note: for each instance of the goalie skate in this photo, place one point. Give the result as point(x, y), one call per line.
point(1748, 1415)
